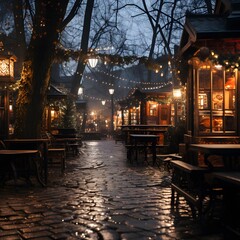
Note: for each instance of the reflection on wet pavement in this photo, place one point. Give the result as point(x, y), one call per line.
point(100, 196)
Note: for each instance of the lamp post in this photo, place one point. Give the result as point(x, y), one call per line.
point(111, 91)
point(6, 78)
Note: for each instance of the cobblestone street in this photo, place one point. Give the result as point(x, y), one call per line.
point(100, 196)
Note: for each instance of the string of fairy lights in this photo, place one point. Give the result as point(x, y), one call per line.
point(145, 86)
point(226, 60)
point(128, 80)
point(116, 99)
point(153, 85)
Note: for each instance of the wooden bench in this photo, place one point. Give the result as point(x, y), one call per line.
point(188, 182)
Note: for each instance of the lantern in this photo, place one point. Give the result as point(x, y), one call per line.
point(111, 91)
point(80, 90)
point(177, 93)
point(92, 62)
point(7, 67)
point(6, 78)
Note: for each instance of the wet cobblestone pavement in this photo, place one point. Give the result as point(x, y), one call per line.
point(100, 196)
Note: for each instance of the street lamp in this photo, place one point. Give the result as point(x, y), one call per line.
point(111, 91)
point(7, 61)
point(93, 62)
point(80, 90)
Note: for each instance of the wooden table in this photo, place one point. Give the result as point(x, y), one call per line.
point(32, 143)
point(127, 130)
point(144, 141)
point(231, 198)
point(10, 156)
point(228, 151)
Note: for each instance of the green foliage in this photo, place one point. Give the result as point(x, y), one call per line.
point(68, 117)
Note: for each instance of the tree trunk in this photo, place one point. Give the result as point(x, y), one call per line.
point(36, 67)
point(84, 46)
point(20, 49)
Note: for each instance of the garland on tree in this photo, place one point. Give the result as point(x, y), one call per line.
point(62, 54)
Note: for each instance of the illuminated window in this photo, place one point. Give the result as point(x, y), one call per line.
point(216, 100)
point(152, 109)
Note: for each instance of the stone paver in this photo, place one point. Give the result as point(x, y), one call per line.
point(100, 196)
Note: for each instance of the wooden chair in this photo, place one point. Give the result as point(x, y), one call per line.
point(56, 154)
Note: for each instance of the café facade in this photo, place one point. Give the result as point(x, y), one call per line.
point(147, 107)
point(209, 63)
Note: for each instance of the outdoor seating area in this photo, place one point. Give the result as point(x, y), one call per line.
point(150, 141)
point(33, 157)
point(136, 126)
point(206, 176)
point(202, 186)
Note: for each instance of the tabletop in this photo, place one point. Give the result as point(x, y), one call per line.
point(144, 136)
point(17, 152)
point(230, 177)
point(229, 152)
point(27, 140)
point(145, 126)
point(216, 148)
point(66, 139)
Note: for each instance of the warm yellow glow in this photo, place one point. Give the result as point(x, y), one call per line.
point(7, 67)
point(4, 67)
point(218, 67)
point(177, 93)
point(52, 113)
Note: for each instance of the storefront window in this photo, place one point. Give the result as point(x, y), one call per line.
point(216, 100)
point(153, 109)
point(135, 115)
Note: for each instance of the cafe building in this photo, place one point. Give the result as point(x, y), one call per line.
point(209, 56)
point(147, 107)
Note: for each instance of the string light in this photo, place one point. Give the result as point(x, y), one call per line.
point(158, 86)
point(125, 79)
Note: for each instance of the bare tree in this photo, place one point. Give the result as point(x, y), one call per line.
point(165, 19)
point(47, 23)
